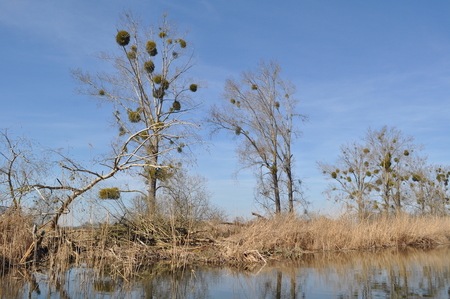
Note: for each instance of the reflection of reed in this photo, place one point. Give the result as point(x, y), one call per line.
point(192, 282)
point(383, 273)
point(389, 272)
point(380, 258)
point(10, 286)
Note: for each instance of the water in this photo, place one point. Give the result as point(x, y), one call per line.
point(390, 273)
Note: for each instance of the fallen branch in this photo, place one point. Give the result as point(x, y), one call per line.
point(259, 216)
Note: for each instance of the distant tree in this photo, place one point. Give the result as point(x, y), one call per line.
point(439, 202)
point(260, 111)
point(392, 156)
point(429, 188)
point(353, 178)
point(377, 173)
point(151, 99)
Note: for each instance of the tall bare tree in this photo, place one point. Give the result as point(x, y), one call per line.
point(260, 110)
point(150, 96)
point(150, 108)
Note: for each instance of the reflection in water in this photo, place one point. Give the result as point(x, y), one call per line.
point(389, 273)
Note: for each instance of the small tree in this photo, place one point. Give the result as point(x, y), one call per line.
point(185, 200)
point(150, 97)
point(259, 109)
point(352, 174)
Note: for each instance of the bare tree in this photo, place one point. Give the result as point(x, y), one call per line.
point(28, 172)
point(81, 179)
point(376, 171)
point(186, 200)
point(392, 155)
point(22, 163)
point(259, 109)
point(352, 178)
point(150, 97)
point(429, 188)
point(150, 108)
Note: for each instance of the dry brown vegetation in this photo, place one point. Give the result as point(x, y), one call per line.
point(15, 238)
point(125, 250)
point(290, 235)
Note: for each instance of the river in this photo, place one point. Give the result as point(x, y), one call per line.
point(387, 273)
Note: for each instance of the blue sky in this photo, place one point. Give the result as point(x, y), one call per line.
point(355, 64)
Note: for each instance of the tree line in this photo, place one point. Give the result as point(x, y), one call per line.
point(386, 173)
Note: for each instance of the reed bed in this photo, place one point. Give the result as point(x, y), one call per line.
point(291, 235)
point(123, 251)
point(15, 238)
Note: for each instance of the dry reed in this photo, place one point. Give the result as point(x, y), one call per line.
point(124, 252)
point(290, 235)
point(15, 238)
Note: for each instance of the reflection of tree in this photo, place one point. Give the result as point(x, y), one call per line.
point(390, 273)
point(192, 283)
point(279, 279)
point(279, 282)
point(395, 273)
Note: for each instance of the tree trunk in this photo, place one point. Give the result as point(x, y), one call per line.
point(151, 195)
point(152, 178)
point(276, 192)
point(290, 188)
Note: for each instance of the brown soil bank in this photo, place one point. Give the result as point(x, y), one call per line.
point(128, 249)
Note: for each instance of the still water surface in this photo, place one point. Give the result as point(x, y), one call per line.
point(390, 273)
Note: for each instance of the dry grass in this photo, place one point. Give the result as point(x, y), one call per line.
point(124, 252)
point(15, 238)
point(290, 235)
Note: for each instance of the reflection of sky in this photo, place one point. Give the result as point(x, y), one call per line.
point(354, 64)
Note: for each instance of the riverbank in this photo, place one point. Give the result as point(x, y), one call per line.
point(122, 251)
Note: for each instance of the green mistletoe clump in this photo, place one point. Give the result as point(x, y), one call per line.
point(123, 38)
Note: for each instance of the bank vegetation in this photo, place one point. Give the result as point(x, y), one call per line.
point(124, 248)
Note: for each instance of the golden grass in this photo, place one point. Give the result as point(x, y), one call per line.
point(124, 253)
point(15, 238)
point(289, 235)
